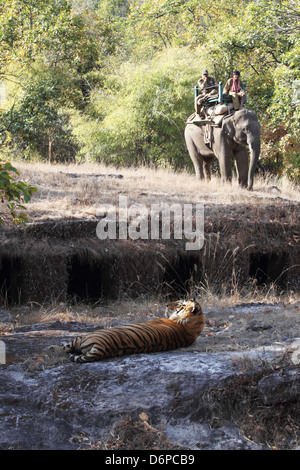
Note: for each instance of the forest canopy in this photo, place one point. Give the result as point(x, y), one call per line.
point(112, 80)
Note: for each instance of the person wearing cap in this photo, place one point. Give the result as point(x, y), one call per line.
point(234, 88)
point(208, 87)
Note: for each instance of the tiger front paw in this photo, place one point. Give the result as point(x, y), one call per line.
point(73, 357)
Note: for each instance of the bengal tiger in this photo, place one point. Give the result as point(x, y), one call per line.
point(184, 323)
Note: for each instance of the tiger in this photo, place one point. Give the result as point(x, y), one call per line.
point(183, 324)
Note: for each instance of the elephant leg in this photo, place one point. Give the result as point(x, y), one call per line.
point(225, 166)
point(196, 158)
point(198, 165)
point(207, 170)
point(241, 162)
point(199, 172)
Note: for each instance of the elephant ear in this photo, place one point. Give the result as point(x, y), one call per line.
point(228, 127)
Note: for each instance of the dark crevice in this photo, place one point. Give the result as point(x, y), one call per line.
point(84, 279)
point(269, 268)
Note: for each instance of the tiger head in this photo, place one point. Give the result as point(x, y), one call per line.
point(186, 312)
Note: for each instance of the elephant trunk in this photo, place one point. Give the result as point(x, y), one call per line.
point(254, 147)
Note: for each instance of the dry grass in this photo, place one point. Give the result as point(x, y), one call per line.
point(75, 191)
point(102, 314)
point(274, 425)
point(250, 293)
point(140, 309)
point(129, 434)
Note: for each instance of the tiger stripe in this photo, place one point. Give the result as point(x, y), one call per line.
point(184, 325)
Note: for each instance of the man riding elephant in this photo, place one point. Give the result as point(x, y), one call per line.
point(234, 88)
point(208, 88)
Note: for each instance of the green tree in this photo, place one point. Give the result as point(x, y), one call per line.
point(112, 80)
point(49, 53)
point(139, 117)
point(14, 193)
point(275, 32)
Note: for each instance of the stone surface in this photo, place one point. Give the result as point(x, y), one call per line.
point(45, 405)
point(44, 412)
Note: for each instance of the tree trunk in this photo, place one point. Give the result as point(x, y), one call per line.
point(50, 150)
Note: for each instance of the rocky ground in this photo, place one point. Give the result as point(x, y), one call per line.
point(237, 387)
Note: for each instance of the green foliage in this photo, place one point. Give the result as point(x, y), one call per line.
point(273, 30)
point(112, 80)
point(49, 51)
point(14, 193)
point(281, 132)
point(35, 117)
point(142, 113)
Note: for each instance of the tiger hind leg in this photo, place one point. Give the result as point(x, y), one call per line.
point(89, 356)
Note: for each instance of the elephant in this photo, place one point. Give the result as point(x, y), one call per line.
point(238, 135)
